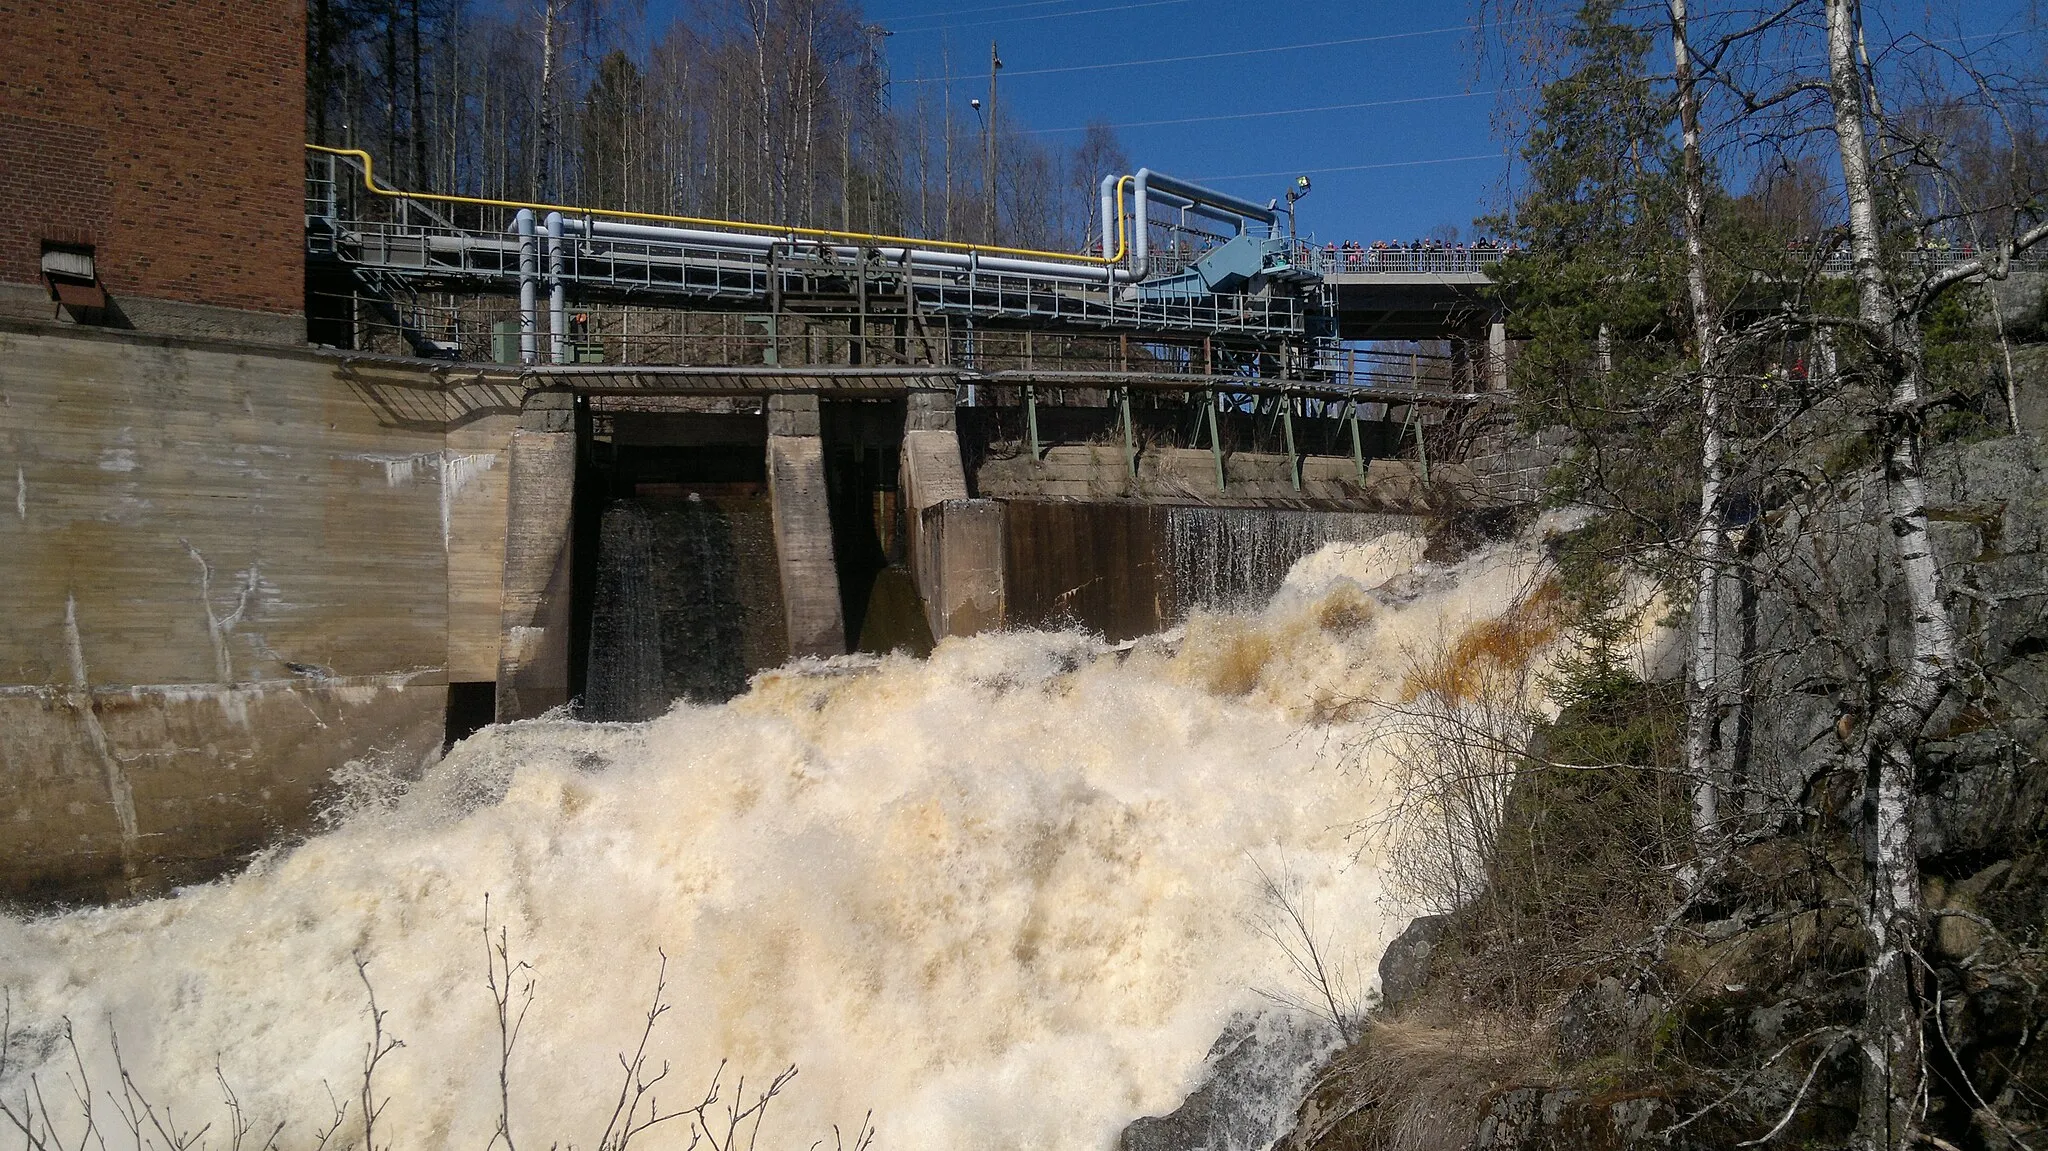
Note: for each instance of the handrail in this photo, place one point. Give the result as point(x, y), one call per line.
point(370, 182)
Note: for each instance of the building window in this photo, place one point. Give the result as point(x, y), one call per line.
point(74, 282)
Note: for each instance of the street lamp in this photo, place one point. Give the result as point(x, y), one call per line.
point(988, 179)
point(1299, 190)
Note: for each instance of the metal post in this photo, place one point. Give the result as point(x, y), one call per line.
point(1421, 450)
point(1031, 420)
point(1357, 445)
point(1130, 440)
point(1287, 422)
point(1216, 441)
point(773, 354)
point(857, 350)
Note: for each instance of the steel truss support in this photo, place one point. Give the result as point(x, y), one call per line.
point(1287, 423)
point(1130, 438)
point(1031, 421)
point(1414, 419)
point(1215, 440)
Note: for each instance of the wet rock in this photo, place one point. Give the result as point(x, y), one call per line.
point(1404, 969)
point(1605, 1018)
point(1257, 1068)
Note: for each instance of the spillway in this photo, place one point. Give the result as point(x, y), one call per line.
point(1004, 897)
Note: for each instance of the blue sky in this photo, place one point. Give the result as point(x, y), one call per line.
point(1410, 62)
point(1380, 102)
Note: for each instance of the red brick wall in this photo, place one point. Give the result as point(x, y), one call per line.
point(168, 134)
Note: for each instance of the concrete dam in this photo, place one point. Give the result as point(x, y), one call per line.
point(242, 571)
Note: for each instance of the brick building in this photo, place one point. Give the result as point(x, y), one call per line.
point(150, 161)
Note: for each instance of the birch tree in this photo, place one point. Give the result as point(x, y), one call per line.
point(1709, 542)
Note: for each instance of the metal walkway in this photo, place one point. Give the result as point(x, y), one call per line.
point(418, 241)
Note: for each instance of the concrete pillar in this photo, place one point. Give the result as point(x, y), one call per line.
point(966, 585)
point(1497, 355)
point(930, 471)
point(533, 647)
point(956, 544)
point(803, 528)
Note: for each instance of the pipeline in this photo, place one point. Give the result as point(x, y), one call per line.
point(558, 293)
point(921, 257)
point(1148, 187)
point(862, 239)
point(529, 283)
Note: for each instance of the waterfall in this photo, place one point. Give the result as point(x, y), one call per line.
point(626, 679)
point(1232, 559)
point(687, 604)
point(1004, 897)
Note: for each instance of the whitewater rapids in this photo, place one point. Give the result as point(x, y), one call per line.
point(1002, 898)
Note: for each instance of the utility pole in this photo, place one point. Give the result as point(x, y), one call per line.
point(988, 225)
point(946, 101)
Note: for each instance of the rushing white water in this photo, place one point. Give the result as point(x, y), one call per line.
point(1003, 898)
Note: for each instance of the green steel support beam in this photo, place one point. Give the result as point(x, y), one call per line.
point(1421, 450)
point(1293, 458)
point(1130, 440)
point(1357, 445)
point(1215, 440)
point(1031, 420)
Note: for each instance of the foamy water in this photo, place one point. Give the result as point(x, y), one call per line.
point(1003, 898)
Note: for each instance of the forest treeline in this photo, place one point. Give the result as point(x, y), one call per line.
point(1777, 296)
point(776, 111)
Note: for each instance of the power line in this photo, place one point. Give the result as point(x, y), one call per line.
point(1009, 74)
point(1273, 112)
point(1353, 168)
point(1026, 19)
point(888, 22)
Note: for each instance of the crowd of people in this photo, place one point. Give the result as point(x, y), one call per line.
point(1416, 253)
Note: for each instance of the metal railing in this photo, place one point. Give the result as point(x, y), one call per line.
point(1340, 259)
point(442, 248)
point(1928, 260)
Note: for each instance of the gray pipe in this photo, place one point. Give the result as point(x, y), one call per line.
point(558, 297)
point(1264, 213)
point(529, 283)
point(1168, 199)
point(1141, 224)
point(920, 257)
point(750, 241)
point(1109, 207)
point(1151, 186)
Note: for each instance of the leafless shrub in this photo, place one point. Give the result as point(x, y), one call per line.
point(1457, 738)
point(75, 1124)
point(501, 975)
point(1330, 987)
point(379, 1046)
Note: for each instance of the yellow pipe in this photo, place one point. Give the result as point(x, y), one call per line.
point(370, 182)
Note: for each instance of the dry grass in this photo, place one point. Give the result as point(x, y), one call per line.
point(1414, 1083)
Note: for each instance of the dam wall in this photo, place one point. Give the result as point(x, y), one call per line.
point(249, 581)
point(230, 574)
